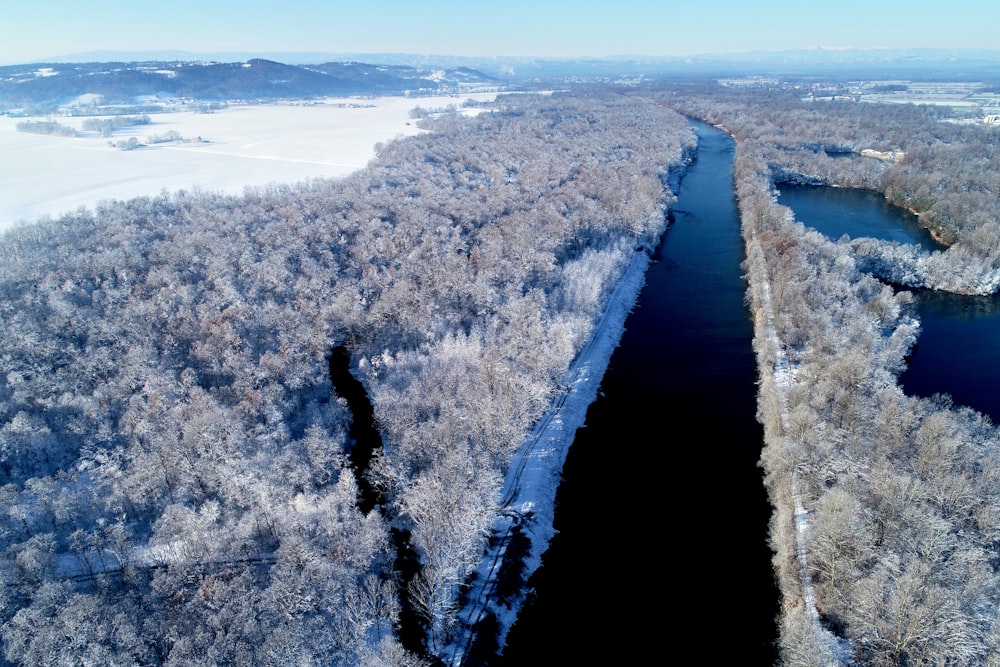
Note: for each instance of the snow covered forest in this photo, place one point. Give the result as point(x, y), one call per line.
point(886, 521)
point(174, 464)
point(176, 469)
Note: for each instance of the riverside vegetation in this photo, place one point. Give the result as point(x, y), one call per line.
point(897, 562)
point(174, 471)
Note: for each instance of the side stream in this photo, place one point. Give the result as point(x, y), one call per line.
point(365, 441)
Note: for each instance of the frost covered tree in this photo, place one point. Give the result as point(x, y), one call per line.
point(173, 459)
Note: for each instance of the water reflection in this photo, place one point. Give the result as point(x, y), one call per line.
point(944, 304)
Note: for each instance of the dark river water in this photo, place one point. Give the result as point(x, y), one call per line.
point(958, 350)
point(662, 555)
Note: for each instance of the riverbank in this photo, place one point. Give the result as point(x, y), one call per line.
point(529, 491)
point(528, 497)
point(791, 524)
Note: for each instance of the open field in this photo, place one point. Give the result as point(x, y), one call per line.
point(242, 145)
point(961, 95)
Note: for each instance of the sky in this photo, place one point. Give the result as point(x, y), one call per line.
point(544, 28)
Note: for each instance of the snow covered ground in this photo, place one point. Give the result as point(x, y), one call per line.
point(242, 145)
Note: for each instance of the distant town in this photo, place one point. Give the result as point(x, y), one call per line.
point(981, 100)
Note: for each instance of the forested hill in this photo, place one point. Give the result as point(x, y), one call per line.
point(174, 485)
point(42, 86)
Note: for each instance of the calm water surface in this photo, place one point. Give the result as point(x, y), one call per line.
point(958, 351)
point(854, 213)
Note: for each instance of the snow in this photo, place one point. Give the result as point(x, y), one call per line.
point(784, 375)
point(242, 145)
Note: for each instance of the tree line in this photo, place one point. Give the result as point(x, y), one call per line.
point(107, 126)
point(49, 127)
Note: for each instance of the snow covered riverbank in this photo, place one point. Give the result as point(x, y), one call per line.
point(529, 492)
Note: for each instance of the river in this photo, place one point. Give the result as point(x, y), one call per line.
point(662, 515)
point(679, 563)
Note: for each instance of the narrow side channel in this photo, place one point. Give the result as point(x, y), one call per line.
point(365, 442)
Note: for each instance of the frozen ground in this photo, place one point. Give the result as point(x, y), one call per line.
point(242, 145)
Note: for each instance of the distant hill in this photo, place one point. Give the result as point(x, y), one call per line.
point(43, 86)
point(871, 62)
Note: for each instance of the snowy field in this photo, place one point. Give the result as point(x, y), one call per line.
point(242, 145)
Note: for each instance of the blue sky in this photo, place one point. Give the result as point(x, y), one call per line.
point(35, 31)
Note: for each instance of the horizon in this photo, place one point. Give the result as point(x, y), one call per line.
point(835, 58)
point(517, 29)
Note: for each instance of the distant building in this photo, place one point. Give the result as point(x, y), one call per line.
point(992, 119)
point(885, 156)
